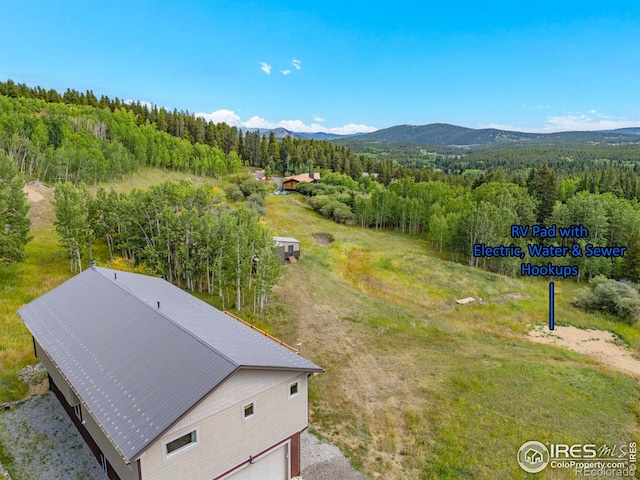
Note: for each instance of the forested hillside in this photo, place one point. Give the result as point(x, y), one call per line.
point(77, 137)
point(457, 200)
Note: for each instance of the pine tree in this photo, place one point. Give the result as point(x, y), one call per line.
point(541, 185)
point(14, 223)
point(630, 268)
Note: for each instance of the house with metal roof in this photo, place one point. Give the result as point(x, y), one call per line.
point(291, 183)
point(163, 386)
point(287, 248)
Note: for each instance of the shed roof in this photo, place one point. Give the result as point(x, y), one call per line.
point(139, 368)
point(285, 240)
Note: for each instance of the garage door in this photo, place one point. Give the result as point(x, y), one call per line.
point(270, 466)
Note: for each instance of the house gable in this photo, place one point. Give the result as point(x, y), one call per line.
point(226, 440)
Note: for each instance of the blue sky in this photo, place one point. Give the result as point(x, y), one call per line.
point(342, 66)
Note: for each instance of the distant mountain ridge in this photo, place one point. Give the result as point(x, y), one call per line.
point(443, 134)
point(628, 130)
point(281, 133)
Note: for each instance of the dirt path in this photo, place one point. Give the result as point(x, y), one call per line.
point(39, 197)
point(598, 344)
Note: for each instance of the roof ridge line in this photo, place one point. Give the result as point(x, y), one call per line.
point(164, 315)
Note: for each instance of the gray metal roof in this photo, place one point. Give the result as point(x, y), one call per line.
point(137, 368)
point(286, 239)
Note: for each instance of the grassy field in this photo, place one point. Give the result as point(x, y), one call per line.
point(416, 386)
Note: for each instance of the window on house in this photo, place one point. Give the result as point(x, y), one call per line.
point(290, 250)
point(293, 389)
point(248, 410)
point(180, 442)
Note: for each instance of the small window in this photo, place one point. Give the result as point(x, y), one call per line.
point(293, 389)
point(248, 410)
point(181, 442)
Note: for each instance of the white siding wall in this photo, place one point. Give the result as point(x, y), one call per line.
point(225, 438)
point(55, 374)
point(124, 471)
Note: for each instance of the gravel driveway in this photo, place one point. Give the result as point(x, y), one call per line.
point(45, 445)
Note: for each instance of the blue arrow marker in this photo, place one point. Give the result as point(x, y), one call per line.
point(551, 325)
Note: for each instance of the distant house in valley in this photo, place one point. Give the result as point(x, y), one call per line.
point(287, 248)
point(163, 386)
point(260, 175)
point(290, 183)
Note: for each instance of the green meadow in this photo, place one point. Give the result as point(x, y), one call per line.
point(415, 386)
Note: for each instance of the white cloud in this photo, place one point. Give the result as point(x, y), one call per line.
point(352, 128)
point(231, 118)
point(318, 118)
point(227, 116)
point(583, 122)
point(296, 63)
point(265, 67)
point(285, 72)
point(258, 122)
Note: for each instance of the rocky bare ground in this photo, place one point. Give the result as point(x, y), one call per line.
point(43, 443)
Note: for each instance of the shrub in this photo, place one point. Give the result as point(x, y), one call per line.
point(343, 214)
point(318, 202)
point(238, 178)
point(251, 186)
point(233, 192)
point(257, 199)
point(333, 178)
point(345, 198)
point(329, 207)
point(619, 299)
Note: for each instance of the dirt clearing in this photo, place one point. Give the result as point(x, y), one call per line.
point(39, 197)
point(598, 344)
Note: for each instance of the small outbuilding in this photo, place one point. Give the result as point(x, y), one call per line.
point(162, 385)
point(260, 175)
point(287, 248)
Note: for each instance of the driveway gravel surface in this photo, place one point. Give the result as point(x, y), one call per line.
point(45, 445)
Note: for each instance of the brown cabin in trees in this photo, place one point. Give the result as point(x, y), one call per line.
point(290, 183)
